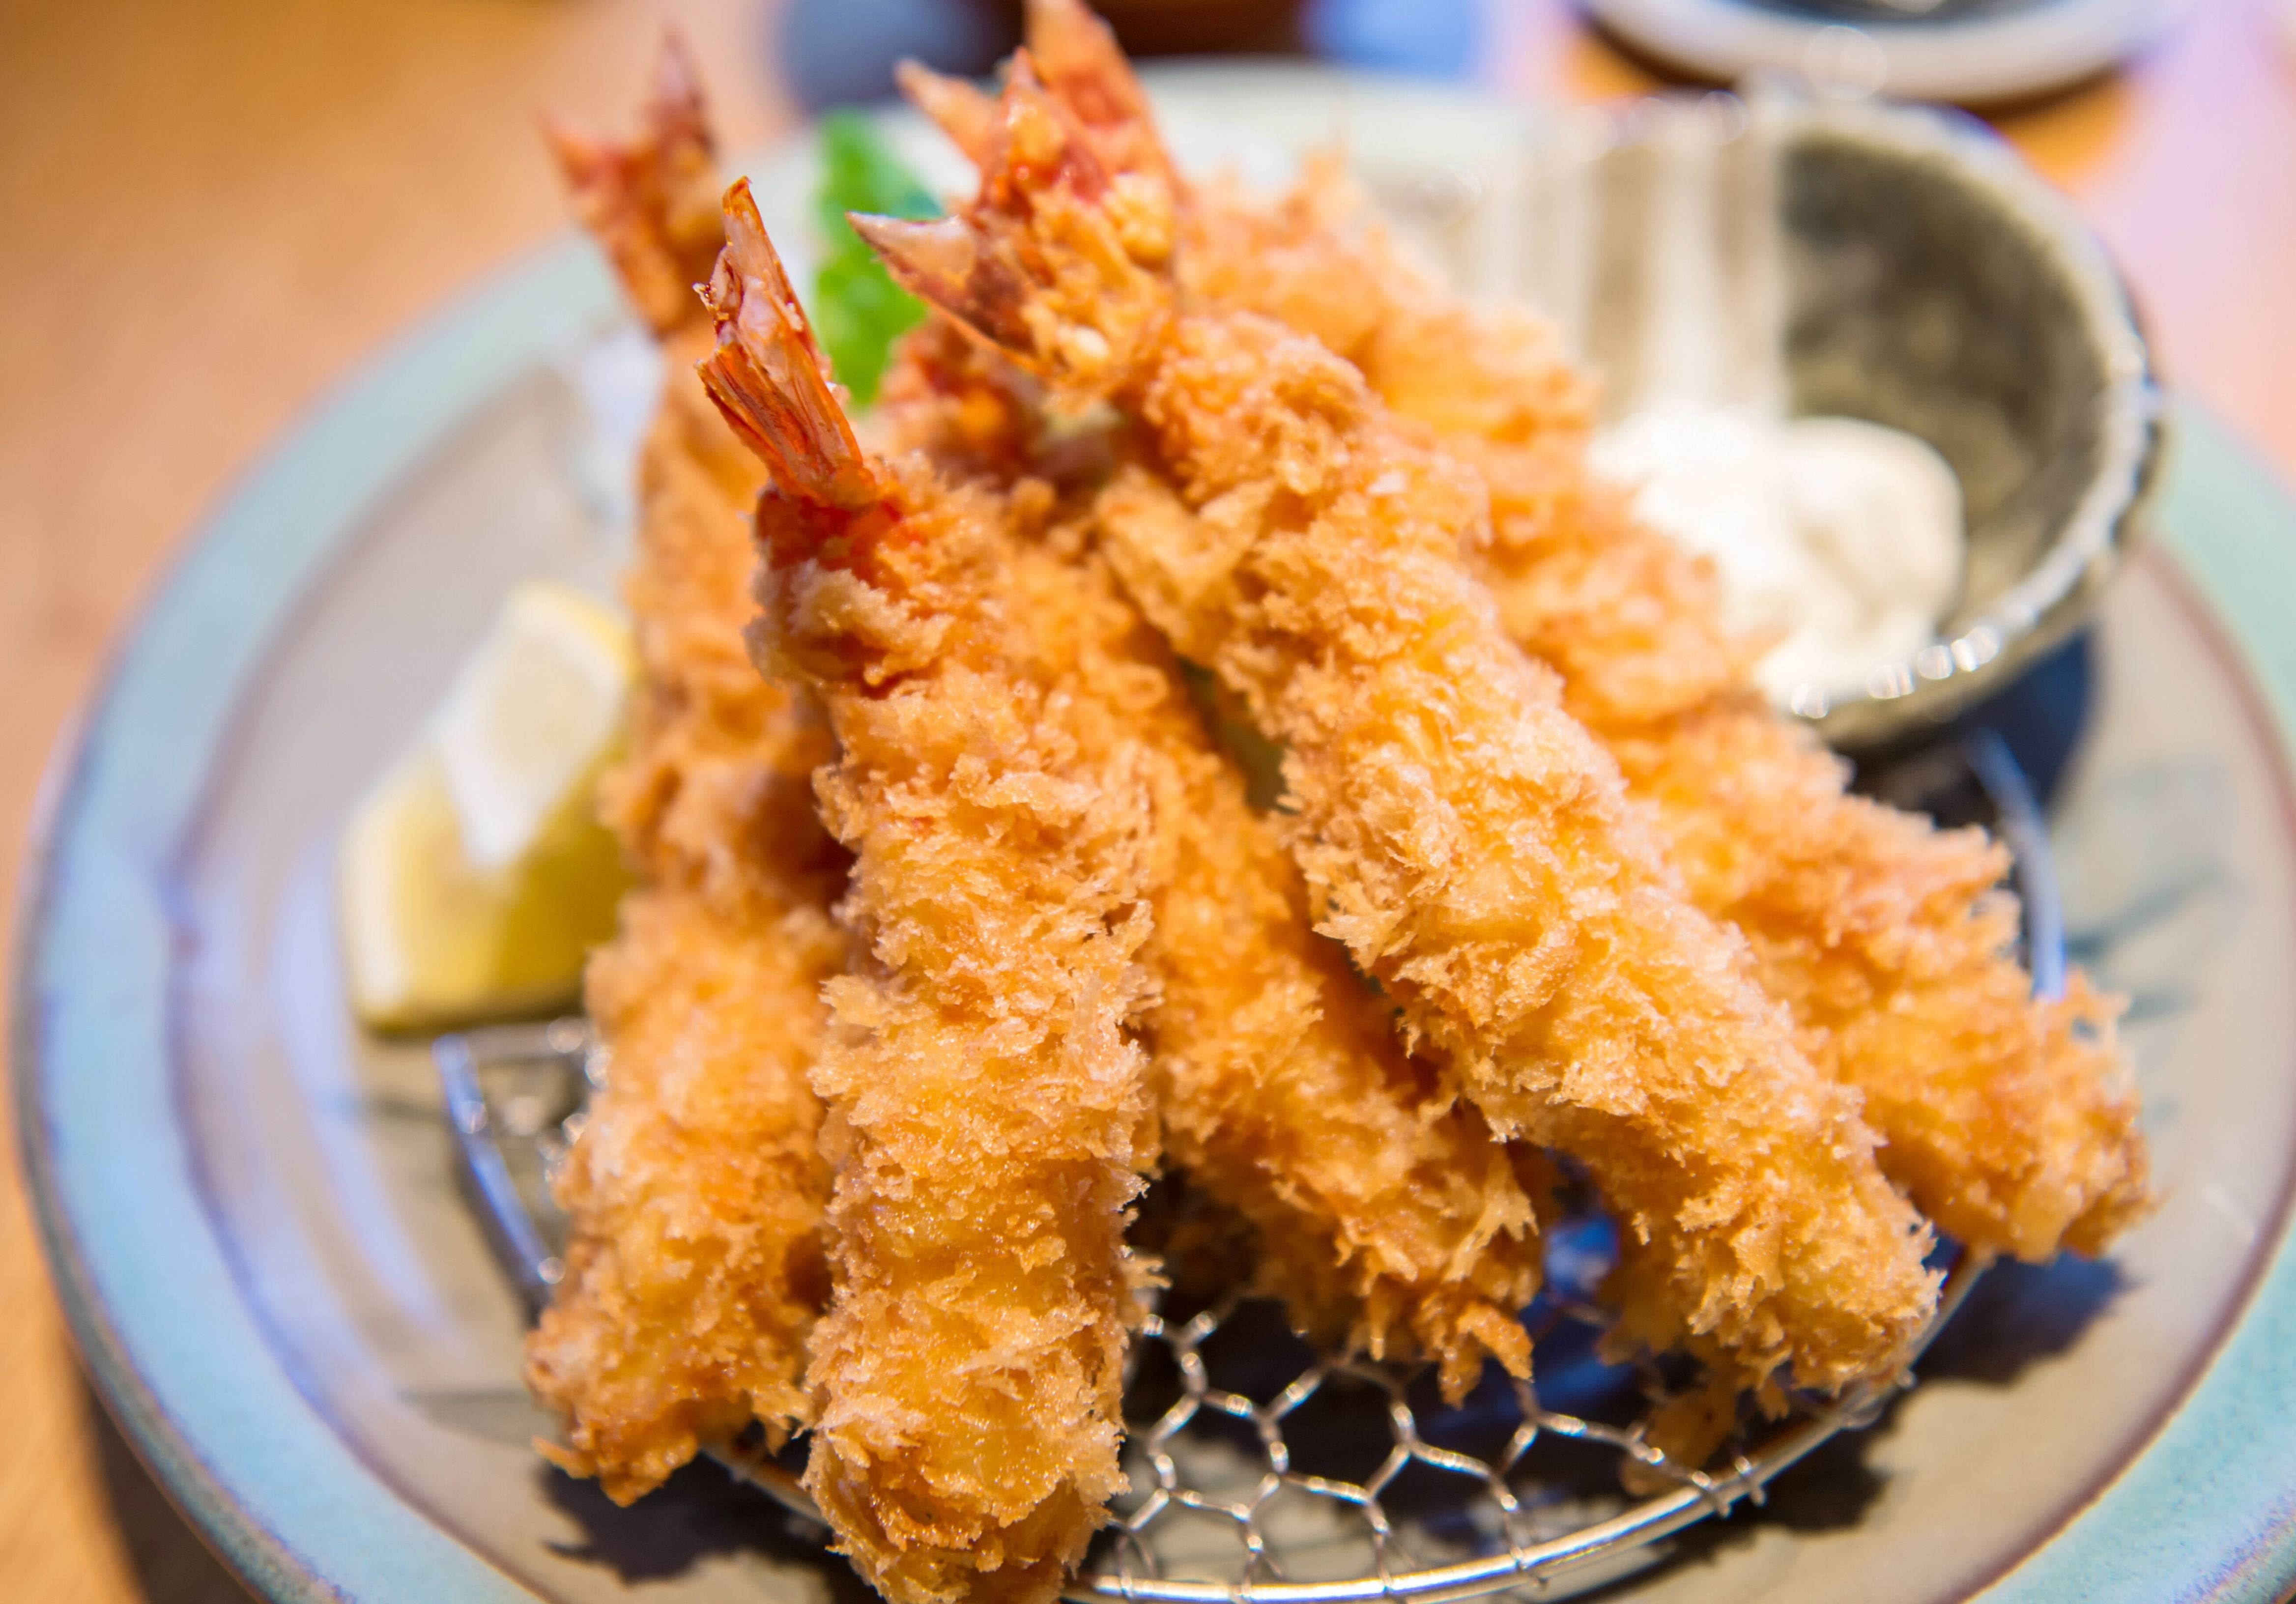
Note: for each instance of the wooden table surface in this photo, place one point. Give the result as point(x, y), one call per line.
point(210, 213)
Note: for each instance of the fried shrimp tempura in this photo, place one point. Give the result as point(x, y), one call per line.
point(693, 1267)
point(2010, 1120)
point(988, 1118)
point(1388, 1221)
point(1474, 845)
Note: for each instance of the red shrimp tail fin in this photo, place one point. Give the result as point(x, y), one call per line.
point(651, 201)
point(1058, 263)
point(953, 265)
point(960, 109)
point(675, 115)
point(1086, 70)
point(1077, 57)
point(768, 376)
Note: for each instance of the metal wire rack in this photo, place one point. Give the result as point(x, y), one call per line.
point(1262, 1469)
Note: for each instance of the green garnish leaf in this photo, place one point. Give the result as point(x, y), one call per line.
point(860, 173)
point(858, 311)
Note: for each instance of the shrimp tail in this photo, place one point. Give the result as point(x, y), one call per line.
point(1086, 70)
point(959, 269)
point(651, 200)
point(1076, 55)
point(1060, 263)
point(960, 109)
point(769, 378)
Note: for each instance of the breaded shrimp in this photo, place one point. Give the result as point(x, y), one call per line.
point(695, 1194)
point(693, 1267)
point(1388, 1219)
point(652, 202)
point(988, 1117)
point(2010, 1120)
point(1389, 1222)
point(1466, 838)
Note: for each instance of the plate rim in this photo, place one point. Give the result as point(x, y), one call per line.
point(252, 1463)
point(93, 997)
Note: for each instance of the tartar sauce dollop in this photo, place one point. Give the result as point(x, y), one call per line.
point(1841, 538)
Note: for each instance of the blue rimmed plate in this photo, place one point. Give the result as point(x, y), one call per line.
point(251, 1210)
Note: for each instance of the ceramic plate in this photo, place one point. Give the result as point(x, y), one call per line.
point(250, 1206)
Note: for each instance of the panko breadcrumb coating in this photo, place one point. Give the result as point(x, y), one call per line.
point(695, 1265)
point(1468, 841)
point(695, 1194)
point(988, 1115)
point(1390, 1222)
point(2010, 1120)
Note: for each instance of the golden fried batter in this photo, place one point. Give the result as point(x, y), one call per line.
point(695, 1265)
point(1390, 1222)
point(2010, 1121)
point(1470, 843)
point(988, 1117)
point(695, 1195)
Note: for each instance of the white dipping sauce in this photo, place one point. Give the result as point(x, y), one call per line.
point(1840, 538)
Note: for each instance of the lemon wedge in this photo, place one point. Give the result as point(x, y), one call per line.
point(474, 876)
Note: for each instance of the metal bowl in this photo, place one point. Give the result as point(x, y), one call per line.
point(1886, 262)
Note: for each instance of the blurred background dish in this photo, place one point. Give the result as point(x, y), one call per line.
point(1976, 52)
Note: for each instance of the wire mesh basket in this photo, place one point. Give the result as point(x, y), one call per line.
point(1260, 1469)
